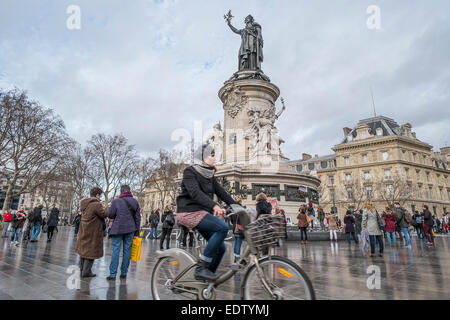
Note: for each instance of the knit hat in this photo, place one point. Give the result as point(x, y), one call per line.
point(202, 152)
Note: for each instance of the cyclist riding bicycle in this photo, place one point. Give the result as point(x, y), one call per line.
point(197, 210)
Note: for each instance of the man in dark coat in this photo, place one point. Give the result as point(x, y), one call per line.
point(52, 223)
point(154, 221)
point(358, 221)
point(428, 225)
point(321, 217)
point(402, 223)
point(349, 222)
point(90, 236)
point(126, 214)
point(36, 222)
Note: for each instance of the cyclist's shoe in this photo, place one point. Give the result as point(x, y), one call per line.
point(202, 272)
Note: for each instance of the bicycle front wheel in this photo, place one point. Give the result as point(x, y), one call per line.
point(163, 288)
point(286, 280)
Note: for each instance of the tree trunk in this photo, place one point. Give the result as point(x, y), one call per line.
point(8, 198)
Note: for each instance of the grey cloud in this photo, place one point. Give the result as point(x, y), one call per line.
point(149, 68)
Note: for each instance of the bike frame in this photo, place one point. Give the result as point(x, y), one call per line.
point(249, 258)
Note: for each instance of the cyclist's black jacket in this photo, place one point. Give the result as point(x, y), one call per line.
point(197, 192)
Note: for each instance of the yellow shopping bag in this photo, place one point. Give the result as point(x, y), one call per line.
point(136, 249)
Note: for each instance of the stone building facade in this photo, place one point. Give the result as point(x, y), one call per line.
point(385, 162)
point(59, 194)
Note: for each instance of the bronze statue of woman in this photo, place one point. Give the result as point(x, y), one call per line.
point(250, 52)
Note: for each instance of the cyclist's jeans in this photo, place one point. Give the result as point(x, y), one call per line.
point(214, 230)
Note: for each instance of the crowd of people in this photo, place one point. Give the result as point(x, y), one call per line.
point(367, 226)
point(26, 225)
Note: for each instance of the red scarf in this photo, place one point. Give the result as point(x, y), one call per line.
point(125, 194)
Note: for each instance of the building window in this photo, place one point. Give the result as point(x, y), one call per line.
point(363, 135)
point(349, 193)
point(407, 173)
point(379, 131)
point(428, 177)
point(369, 192)
point(331, 180)
point(299, 168)
point(332, 193)
point(324, 164)
point(389, 190)
point(403, 155)
point(364, 158)
point(430, 193)
point(347, 161)
point(348, 177)
point(414, 157)
point(311, 166)
point(424, 160)
point(232, 138)
point(367, 176)
point(385, 156)
point(419, 192)
point(440, 194)
point(387, 174)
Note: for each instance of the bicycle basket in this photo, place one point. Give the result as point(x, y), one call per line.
point(266, 231)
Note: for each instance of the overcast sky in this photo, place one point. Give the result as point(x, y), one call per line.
point(145, 68)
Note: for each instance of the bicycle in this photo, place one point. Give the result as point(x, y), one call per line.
point(266, 276)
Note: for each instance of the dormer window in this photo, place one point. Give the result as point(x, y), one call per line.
point(379, 132)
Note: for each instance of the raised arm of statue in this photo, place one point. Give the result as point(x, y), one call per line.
point(280, 112)
point(233, 28)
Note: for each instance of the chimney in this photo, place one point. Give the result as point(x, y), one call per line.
point(346, 131)
point(306, 156)
point(316, 156)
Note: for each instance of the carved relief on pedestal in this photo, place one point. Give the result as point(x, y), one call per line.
point(234, 100)
point(262, 133)
point(216, 139)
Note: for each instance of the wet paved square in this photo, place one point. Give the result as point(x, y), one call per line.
point(337, 270)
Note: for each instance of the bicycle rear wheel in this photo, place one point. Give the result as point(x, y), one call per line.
point(165, 270)
point(285, 278)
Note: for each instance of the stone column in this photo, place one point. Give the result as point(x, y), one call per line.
point(238, 97)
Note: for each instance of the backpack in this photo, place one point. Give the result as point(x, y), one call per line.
point(419, 220)
point(7, 217)
point(170, 220)
point(407, 216)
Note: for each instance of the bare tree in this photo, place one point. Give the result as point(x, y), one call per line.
point(112, 159)
point(164, 177)
point(8, 101)
point(76, 169)
point(354, 193)
point(57, 192)
point(394, 189)
point(37, 143)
